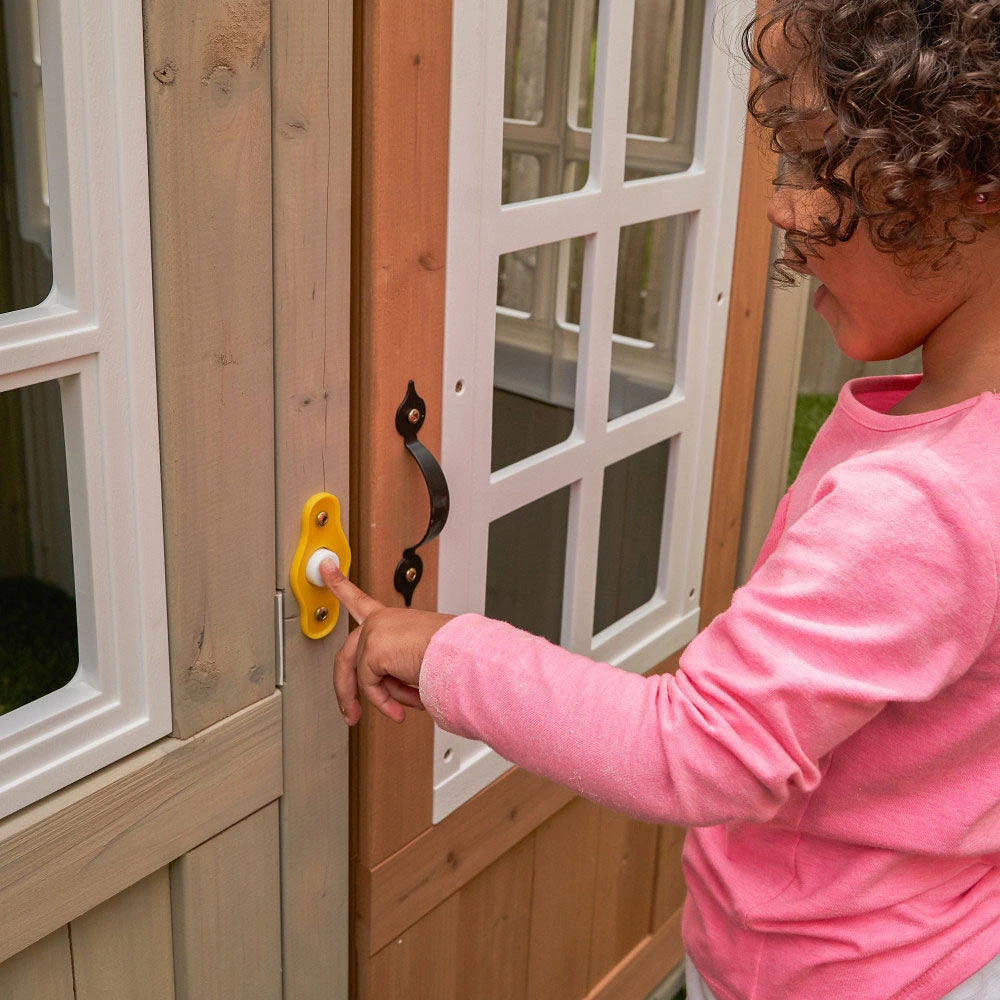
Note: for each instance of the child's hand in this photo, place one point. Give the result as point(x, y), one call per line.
point(383, 655)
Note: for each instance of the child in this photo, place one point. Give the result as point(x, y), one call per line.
point(833, 739)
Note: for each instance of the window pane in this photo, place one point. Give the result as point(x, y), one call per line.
point(628, 553)
point(647, 313)
point(663, 86)
point(534, 369)
point(25, 240)
point(548, 96)
point(525, 566)
point(38, 633)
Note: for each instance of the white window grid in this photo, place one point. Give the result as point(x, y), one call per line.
point(94, 334)
point(480, 231)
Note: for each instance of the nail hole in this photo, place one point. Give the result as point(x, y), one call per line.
point(460, 386)
point(448, 754)
point(691, 594)
point(718, 298)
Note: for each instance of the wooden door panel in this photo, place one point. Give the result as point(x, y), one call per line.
point(123, 948)
point(401, 210)
point(563, 882)
point(668, 895)
point(626, 869)
point(597, 895)
point(475, 944)
point(42, 972)
point(227, 913)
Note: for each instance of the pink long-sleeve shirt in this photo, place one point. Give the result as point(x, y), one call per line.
point(833, 739)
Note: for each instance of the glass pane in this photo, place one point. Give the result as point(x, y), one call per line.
point(526, 563)
point(38, 634)
point(663, 86)
point(534, 368)
point(25, 239)
point(628, 553)
point(647, 313)
point(548, 97)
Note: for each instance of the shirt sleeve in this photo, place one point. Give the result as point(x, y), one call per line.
point(884, 590)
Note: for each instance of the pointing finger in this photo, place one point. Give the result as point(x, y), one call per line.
point(357, 602)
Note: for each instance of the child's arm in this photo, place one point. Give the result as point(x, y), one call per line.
point(884, 591)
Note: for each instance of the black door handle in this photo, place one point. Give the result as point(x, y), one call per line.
point(409, 419)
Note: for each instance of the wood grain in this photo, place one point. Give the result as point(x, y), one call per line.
point(407, 885)
point(91, 841)
point(401, 192)
point(494, 915)
point(645, 966)
point(475, 944)
point(123, 949)
point(626, 871)
point(209, 113)
point(42, 972)
point(669, 891)
point(226, 904)
point(739, 378)
point(564, 882)
point(311, 142)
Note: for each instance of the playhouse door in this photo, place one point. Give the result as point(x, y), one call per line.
point(546, 214)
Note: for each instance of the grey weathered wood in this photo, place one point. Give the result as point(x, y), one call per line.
point(209, 103)
point(42, 972)
point(122, 949)
point(227, 913)
point(312, 86)
point(94, 839)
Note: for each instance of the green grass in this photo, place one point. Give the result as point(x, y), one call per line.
point(811, 409)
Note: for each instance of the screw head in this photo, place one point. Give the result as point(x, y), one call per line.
point(322, 614)
point(322, 517)
point(413, 416)
point(411, 575)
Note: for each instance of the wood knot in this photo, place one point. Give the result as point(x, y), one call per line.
point(166, 74)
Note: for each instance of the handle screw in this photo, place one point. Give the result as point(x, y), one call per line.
point(322, 517)
point(322, 614)
point(413, 416)
point(411, 575)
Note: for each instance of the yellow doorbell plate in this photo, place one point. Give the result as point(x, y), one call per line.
point(321, 537)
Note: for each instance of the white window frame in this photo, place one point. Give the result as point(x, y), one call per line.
point(480, 230)
point(94, 333)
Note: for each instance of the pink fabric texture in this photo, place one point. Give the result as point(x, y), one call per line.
point(833, 739)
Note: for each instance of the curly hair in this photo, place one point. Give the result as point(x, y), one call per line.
point(906, 94)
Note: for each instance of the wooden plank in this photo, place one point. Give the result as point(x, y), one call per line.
point(645, 966)
point(494, 916)
point(397, 893)
point(739, 378)
point(404, 84)
point(669, 891)
point(92, 840)
point(209, 109)
point(123, 948)
point(474, 945)
point(226, 904)
point(562, 902)
point(42, 972)
point(421, 962)
point(312, 88)
point(626, 866)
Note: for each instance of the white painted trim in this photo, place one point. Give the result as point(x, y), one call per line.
point(480, 231)
point(95, 334)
